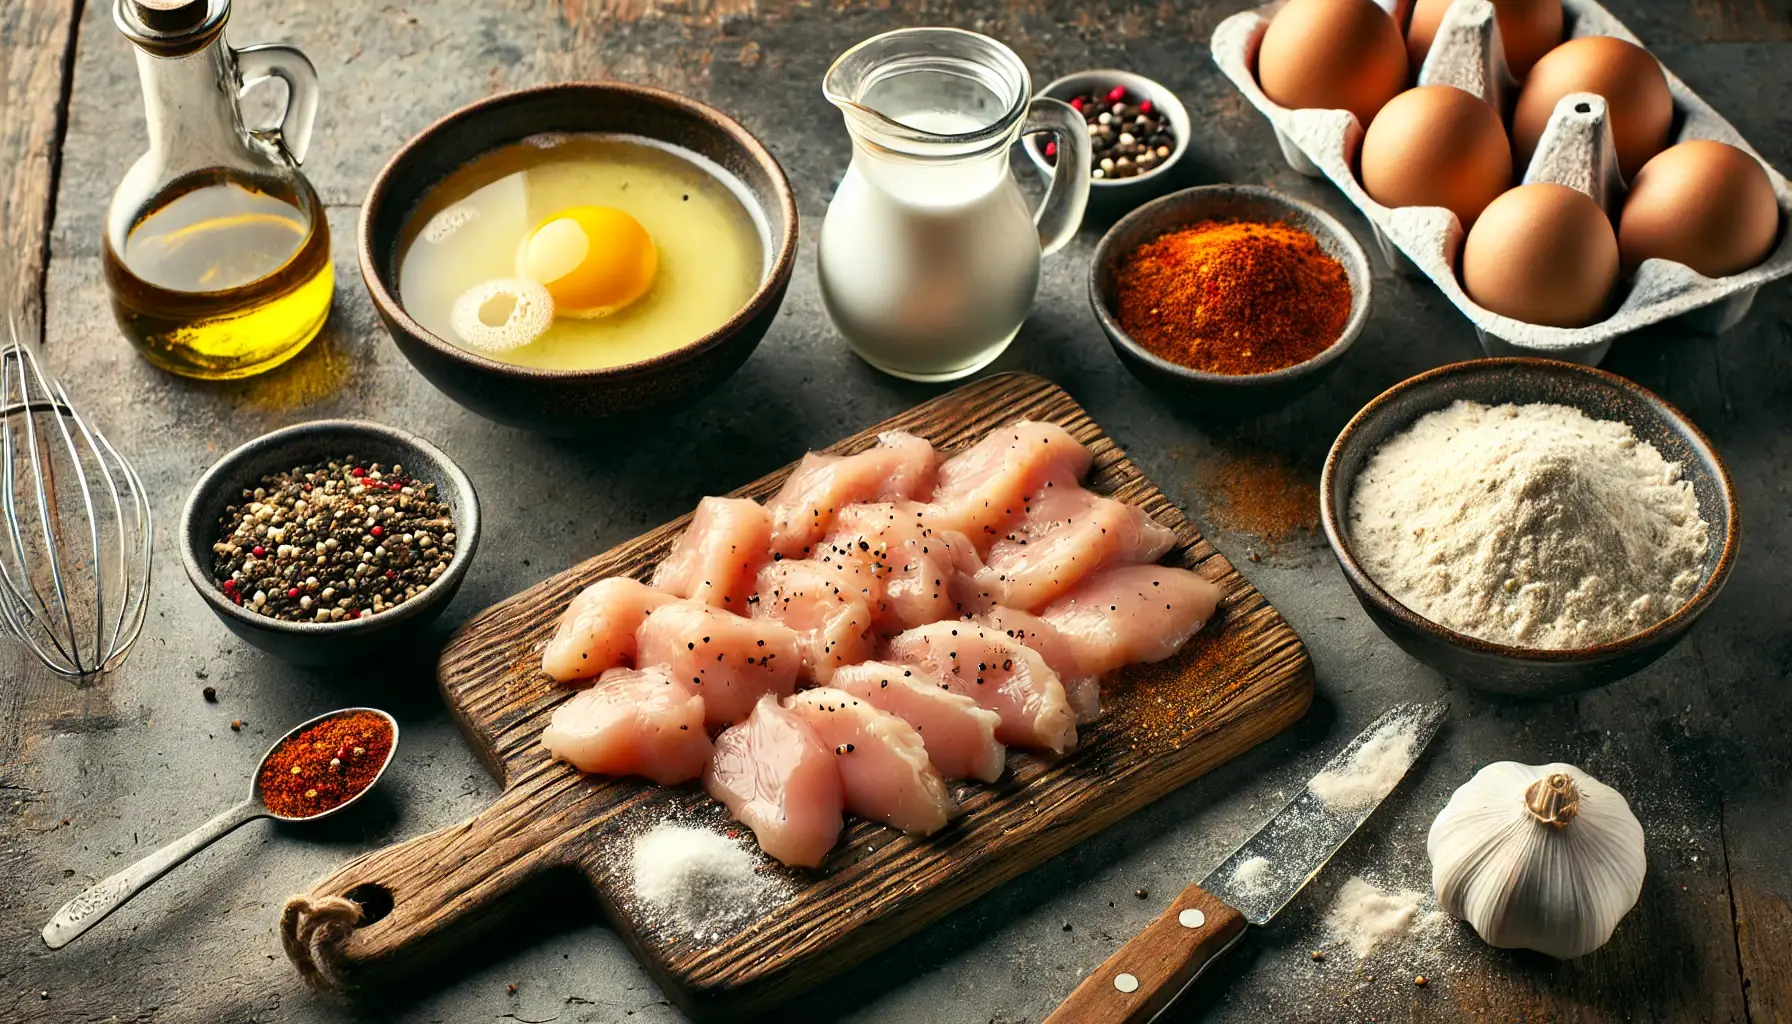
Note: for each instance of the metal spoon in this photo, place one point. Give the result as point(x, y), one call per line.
point(89, 908)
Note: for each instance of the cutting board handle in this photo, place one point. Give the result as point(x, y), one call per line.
point(421, 898)
point(1149, 972)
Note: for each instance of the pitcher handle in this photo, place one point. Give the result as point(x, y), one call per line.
point(1061, 212)
point(290, 65)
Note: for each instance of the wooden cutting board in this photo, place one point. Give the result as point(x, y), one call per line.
point(1244, 678)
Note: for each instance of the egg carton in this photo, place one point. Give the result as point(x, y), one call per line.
point(1575, 150)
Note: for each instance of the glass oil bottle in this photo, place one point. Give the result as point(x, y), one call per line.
point(217, 251)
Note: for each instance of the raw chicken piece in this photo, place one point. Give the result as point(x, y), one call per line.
point(1132, 613)
point(714, 559)
point(778, 779)
point(728, 660)
point(884, 771)
point(633, 722)
point(899, 468)
point(914, 566)
point(999, 674)
point(986, 486)
point(828, 607)
point(1082, 690)
point(597, 632)
point(1067, 534)
point(960, 736)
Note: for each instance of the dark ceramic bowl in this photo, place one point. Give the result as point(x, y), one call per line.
point(327, 643)
point(1215, 394)
point(566, 401)
point(1109, 198)
point(1528, 671)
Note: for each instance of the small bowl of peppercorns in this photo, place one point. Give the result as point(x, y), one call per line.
point(1138, 131)
point(332, 541)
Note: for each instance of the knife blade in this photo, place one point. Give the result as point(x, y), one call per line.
point(1261, 877)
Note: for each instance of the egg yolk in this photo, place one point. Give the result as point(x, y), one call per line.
point(593, 260)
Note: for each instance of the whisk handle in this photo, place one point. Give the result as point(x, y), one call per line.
point(92, 906)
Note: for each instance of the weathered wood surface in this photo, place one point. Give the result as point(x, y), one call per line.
point(94, 778)
point(1243, 679)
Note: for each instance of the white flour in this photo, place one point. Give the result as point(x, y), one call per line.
point(1531, 525)
point(703, 882)
point(1363, 917)
point(1373, 771)
point(1250, 874)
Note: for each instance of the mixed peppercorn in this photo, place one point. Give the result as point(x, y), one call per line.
point(332, 541)
point(1126, 138)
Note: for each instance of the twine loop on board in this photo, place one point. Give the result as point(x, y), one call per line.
point(313, 932)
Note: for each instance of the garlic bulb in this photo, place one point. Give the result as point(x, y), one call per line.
point(1537, 857)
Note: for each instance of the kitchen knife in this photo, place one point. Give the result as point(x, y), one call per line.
point(1149, 972)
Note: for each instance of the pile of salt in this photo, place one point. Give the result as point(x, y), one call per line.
point(703, 882)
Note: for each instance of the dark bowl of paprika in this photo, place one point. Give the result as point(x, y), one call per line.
point(1296, 305)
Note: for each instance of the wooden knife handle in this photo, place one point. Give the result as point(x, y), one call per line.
point(1149, 972)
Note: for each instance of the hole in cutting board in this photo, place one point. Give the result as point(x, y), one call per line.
point(375, 901)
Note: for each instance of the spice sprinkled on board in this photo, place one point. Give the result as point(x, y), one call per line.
point(1233, 297)
point(332, 541)
point(326, 765)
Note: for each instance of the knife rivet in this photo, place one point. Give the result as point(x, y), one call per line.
point(1126, 983)
point(1191, 918)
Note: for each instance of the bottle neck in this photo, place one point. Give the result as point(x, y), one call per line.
point(190, 102)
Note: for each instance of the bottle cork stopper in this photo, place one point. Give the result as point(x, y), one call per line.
point(170, 15)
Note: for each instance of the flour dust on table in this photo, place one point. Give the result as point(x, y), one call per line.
point(1531, 525)
point(1364, 917)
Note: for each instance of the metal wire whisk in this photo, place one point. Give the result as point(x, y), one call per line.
point(74, 561)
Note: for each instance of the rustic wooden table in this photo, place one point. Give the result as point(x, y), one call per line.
point(91, 778)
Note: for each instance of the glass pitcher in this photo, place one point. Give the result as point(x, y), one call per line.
point(217, 253)
point(929, 257)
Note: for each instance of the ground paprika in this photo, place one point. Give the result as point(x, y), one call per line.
point(1233, 297)
point(326, 765)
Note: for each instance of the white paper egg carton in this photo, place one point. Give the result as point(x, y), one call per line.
point(1576, 150)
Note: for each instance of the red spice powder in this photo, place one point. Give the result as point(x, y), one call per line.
point(1233, 297)
point(1257, 493)
point(326, 765)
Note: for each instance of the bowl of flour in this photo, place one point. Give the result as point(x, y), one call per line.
point(1526, 526)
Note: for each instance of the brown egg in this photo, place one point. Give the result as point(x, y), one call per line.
point(1528, 29)
point(1437, 146)
point(1628, 76)
point(1705, 204)
point(1332, 54)
point(1544, 254)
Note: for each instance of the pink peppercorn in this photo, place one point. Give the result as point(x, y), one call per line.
point(1116, 94)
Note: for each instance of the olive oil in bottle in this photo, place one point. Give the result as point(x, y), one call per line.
point(217, 251)
point(224, 276)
